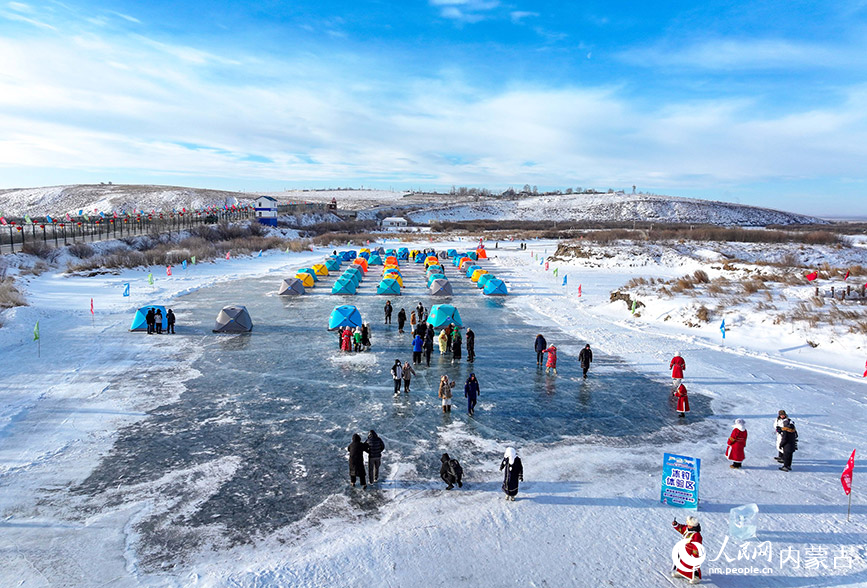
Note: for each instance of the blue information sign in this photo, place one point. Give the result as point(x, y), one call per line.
point(680, 481)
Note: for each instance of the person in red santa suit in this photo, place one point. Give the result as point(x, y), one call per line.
point(676, 366)
point(688, 561)
point(682, 400)
point(736, 444)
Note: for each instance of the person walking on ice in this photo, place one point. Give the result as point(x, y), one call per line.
point(443, 341)
point(356, 451)
point(552, 359)
point(445, 393)
point(682, 401)
point(737, 443)
point(691, 551)
point(397, 375)
point(471, 393)
point(428, 345)
point(408, 373)
point(540, 345)
point(514, 473)
point(375, 447)
point(451, 471)
point(401, 320)
point(471, 345)
point(585, 358)
point(170, 322)
point(677, 365)
point(778, 427)
point(456, 346)
point(789, 443)
point(388, 312)
point(417, 347)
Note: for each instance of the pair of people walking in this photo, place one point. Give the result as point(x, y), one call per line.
point(451, 472)
point(374, 446)
point(677, 365)
point(585, 357)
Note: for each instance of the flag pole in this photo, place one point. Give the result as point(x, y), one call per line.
point(849, 510)
point(39, 354)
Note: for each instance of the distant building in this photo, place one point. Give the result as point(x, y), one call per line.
point(266, 210)
point(394, 222)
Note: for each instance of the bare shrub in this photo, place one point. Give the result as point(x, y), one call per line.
point(635, 282)
point(40, 249)
point(81, 250)
point(752, 285)
point(700, 277)
point(9, 294)
point(703, 313)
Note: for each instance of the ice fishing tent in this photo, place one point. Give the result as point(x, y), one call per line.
point(349, 277)
point(471, 268)
point(332, 264)
point(390, 253)
point(432, 277)
point(435, 269)
point(139, 322)
point(347, 255)
point(443, 314)
point(344, 286)
point(292, 287)
point(388, 286)
point(482, 253)
point(233, 319)
point(394, 276)
point(311, 271)
point(379, 250)
point(440, 287)
point(305, 279)
point(478, 274)
point(320, 269)
point(360, 262)
point(419, 258)
point(483, 281)
point(363, 255)
point(403, 253)
point(344, 316)
point(431, 260)
point(496, 287)
point(391, 260)
point(452, 252)
point(374, 259)
point(472, 255)
point(460, 262)
point(354, 271)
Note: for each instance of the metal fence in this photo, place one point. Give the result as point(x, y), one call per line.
point(18, 232)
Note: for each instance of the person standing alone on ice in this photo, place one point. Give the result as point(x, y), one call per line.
point(676, 366)
point(417, 347)
point(471, 345)
point(375, 447)
point(552, 360)
point(408, 373)
point(737, 443)
point(397, 375)
point(471, 393)
point(789, 443)
point(451, 471)
point(682, 401)
point(514, 473)
point(170, 322)
point(445, 393)
point(691, 532)
point(356, 451)
point(428, 344)
point(401, 320)
point(584, 358)
point(388, 312)
point(778, 427)
point(540, 345)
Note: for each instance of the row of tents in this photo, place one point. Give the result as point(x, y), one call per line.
point(347, 315)
point(231, 319)
point(487, 282)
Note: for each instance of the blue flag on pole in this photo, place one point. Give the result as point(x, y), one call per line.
point(260, 253)
point(722, 328)
point(126, 288)
point(184, 264)
point(565, 276)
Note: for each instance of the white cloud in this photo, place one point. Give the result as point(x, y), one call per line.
point(519, 15)
point(465, 10)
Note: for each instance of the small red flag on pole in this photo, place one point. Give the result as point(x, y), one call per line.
point(168, 270)
point(579, 290)
point(91, 306)
point(846, 480)
point(812, 276)
point(228, 254)
point(846, 277)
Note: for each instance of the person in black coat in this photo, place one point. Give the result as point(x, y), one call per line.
point(471, 345)
point(789, 443)
point(401, 320)
point(170, 322)
point(149, 319)
point(374, 456)
point(428, 345)
point(356, 451)
point(388, 312)
point(471, 393)
point(451, 472)
point(457, 341)
point(584, 358)
point(514, 473)
point(421, 329)
point(540, 346)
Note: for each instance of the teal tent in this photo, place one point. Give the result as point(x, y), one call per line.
point(472, 255)
point(452, 252)
point(471, 269)
point(390, 253)
point(342, 286)
point(483, 281)
point(432, 277)
point(419, 258)
point(344, 316)
point(443, 314)
point(435, 269)
point(403, 253)
point(496, 287)
point(441, 287)
point(374, 259)
point(139, 322)
point(309, 270)
point(351, 278)
point(388, 286)
point(332, 264)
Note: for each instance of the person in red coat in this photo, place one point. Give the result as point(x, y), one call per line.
point(676, 366)
point(551, 364)
point(682, 401)
point(693, 550)
point(736, 444)
point(346, 340)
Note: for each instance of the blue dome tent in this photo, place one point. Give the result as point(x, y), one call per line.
point(139, 322)
point(344, 316)
point(443, 314)
point(432, 277)
point(332, 264)
point(483, 281)
point(471, 269)
point(388, 286)
point(496, 287)
point(403, 253)
point(344, 286)
point(311, 271)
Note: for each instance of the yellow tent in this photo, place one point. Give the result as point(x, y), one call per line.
point(320, 269)
point(306, 279)
point(394, 276)
point(477, 274)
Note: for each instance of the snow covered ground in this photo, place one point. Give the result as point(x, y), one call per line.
point(588, 512)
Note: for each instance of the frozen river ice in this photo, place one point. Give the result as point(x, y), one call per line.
point(258, 440)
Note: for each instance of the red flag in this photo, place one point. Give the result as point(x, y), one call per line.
point(865, 371)
point(846, 478)
point(846, 277)
point(69, 218)
point(227, 255)
point(812, 276)
point(2, 221)
point(579, 290)
point(546, 266)
point(91, 306)
point(168, 270)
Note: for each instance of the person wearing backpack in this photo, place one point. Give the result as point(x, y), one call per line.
point(789, 443)
point(451, 471)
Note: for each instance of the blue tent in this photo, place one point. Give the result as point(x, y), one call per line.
point(471, 269)
point(420, 258)
point(344, 287)
point(140, 324)
point(435, 269)
point(332, 264)
point(457, 260)
point(364, 255)
point(390, 253)
point(452, 252)
point(388, 286)
point(403, 253)
point(354, 272)
point(344, 316)
point(308, 270)
point(351, 278)
point(483, 281)
point(432, 277)
point(443, 314)
point(472, 255)
point(348, 255)
point(374, 259)
point(496, 287)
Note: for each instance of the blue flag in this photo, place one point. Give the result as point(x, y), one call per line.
point(722, 328)
point(565, 276)
point(102, 215)
point(48, 218)
point(184, 264)
point(126, 288)
point(260, 253)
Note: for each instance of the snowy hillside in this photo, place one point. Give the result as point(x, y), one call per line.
point(63, 199)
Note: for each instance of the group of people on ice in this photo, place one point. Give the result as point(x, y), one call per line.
point(357, 339)
point(154, 321)
point(585, 356)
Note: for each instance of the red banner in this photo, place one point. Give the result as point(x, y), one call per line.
point(846, 478)
point(812, 276)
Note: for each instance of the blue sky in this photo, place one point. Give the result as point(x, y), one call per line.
point(757, 102)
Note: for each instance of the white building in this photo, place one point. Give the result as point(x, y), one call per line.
point(266, 210)
point(394, 222)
